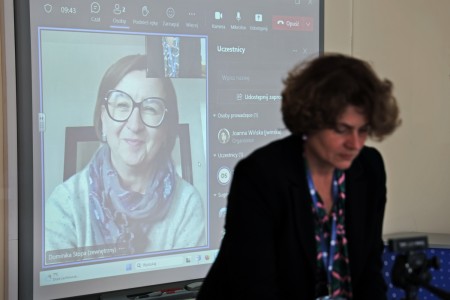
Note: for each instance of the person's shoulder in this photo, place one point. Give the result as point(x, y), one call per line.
point(370, 154)
point(369, 160)
point(185, 190)
point(186, 198)
point(73, 187)
point(78, 180)
point(281, 157)
point(277, 150)
point(184, 184)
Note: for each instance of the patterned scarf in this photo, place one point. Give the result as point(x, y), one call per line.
point(340, 277)
point(124, 217)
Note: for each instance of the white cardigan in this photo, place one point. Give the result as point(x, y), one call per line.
point(67, 222)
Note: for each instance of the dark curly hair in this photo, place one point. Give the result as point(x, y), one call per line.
point(317, 91)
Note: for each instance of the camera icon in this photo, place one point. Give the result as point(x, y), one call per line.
point(218, 15)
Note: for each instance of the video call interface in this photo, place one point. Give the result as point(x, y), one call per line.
point(141, 110)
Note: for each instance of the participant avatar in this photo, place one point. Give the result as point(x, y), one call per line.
point(223, 136)
point(224, 175)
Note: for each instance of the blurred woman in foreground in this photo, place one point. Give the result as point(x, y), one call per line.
point(305, 213)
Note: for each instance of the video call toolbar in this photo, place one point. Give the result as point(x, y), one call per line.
point(182, 17)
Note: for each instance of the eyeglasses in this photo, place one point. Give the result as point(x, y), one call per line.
point(120, 106)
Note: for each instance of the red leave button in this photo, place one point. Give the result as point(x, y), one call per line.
point(294, 23)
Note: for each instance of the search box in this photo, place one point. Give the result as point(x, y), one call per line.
point(159, 263)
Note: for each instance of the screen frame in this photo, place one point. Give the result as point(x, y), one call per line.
point(24, 126)
point(24, 151)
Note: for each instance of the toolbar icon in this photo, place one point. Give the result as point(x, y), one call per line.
point(118, 10)
point(238, 16)
point(170, 12)
point(95, 7)
point(145, 11)
point(48, 8)
point(218, 15)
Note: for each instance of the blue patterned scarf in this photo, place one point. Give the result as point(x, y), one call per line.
point(124, 217)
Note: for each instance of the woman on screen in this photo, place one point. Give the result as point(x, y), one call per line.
point(129, 198)
point(305, 213)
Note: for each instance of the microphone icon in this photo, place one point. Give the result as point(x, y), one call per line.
point(238, 16)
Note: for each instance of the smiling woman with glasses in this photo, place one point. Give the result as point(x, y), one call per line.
point(120, 106)
point(129, 197)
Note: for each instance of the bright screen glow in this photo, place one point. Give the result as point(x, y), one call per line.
point(141, 110)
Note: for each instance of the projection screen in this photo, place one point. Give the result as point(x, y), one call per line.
point(131, 118)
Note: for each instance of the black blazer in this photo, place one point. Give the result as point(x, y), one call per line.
point(268, 251)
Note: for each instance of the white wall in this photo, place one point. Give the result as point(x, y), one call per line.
point(407, 41)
